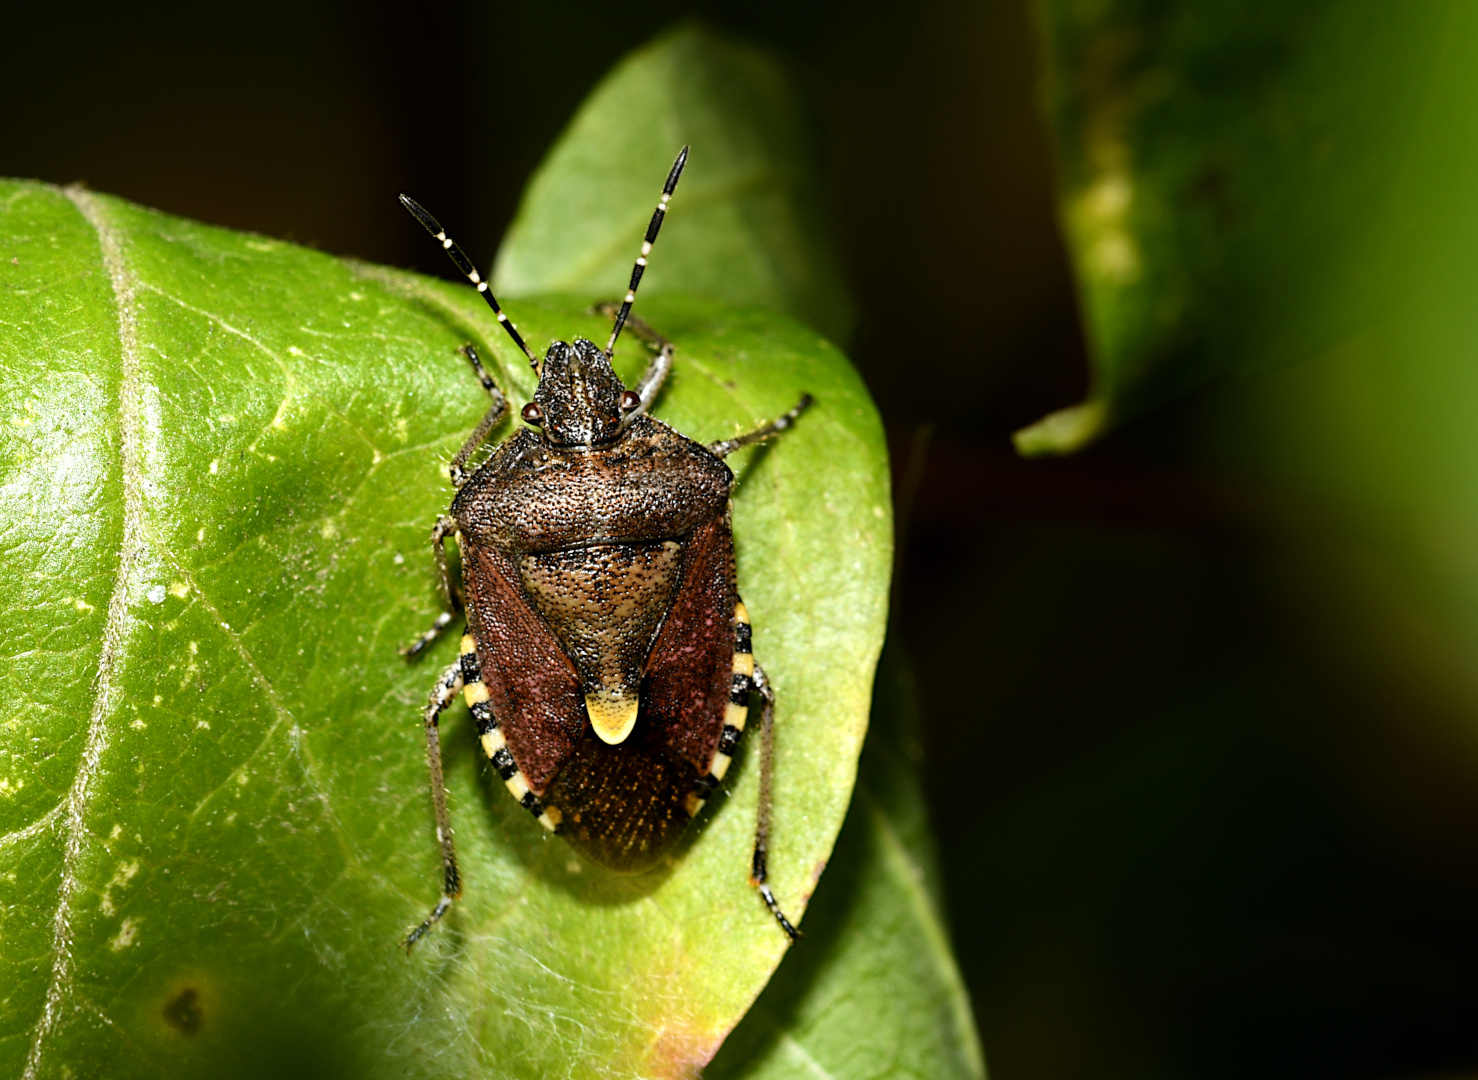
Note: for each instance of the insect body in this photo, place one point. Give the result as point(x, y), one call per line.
point(607, 657)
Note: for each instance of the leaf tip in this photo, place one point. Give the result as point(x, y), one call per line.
point(1063, 431)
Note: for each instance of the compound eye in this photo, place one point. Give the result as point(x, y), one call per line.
point(532, 414)
point(630, 401)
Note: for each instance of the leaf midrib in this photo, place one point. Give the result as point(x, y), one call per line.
point(118, 619)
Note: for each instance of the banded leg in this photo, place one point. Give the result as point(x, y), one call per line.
point(759, 872)
point(443, 528)
point(451, 880)
point(496, 411)
point(648, 386)
point(725, 447)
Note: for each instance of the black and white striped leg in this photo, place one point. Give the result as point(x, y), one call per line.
point(443, 528)
point(650, 384)
point(464, 264)
point(646, 248)
point(490, 420)
point(759, 872)
point(725, 447)
point(747, 678)
point(442, 695)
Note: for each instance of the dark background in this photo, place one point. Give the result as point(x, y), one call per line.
point(1178, 838)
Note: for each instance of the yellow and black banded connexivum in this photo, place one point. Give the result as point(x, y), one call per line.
point(607, 658)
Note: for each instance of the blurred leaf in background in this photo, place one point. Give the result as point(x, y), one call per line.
point(1227, 178)
point(1249, 190)
point(223, 458)
point(1257, 854)
point(1373, 438)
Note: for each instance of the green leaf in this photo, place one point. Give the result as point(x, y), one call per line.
point(1227, 175)
point(747, 225)
point(219, 461)
point(875, 991)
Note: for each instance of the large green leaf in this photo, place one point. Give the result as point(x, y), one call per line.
point(1227, 174)
point(221, 457)
point(747, 224)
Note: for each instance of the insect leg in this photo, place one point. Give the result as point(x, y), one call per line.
point(494, 416)
point(652, 379)
point(451, 881)
point(759, 872)
point(470, 352)
point(443, 528)
point(768, 430)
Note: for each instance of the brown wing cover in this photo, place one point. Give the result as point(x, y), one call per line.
point(532, 686)
point(690, 668)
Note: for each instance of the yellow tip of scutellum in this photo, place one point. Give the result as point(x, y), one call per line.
point(612, 717)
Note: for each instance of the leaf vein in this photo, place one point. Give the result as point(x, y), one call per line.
point(283, 715)
point(40, 825)
point(286, 369)
point(811, 1065)
point(119, 619)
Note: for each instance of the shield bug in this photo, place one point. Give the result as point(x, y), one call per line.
point(607, 658)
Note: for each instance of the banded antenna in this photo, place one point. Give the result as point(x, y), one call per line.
point(646, 247)
point(464, 264)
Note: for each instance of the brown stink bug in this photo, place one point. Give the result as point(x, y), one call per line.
point(607, 657)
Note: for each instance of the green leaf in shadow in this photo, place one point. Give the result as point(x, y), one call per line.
point(875, 990)
point(747, 225)
point(1226, 175)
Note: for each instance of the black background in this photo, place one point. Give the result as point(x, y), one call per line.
point(1178, 839)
